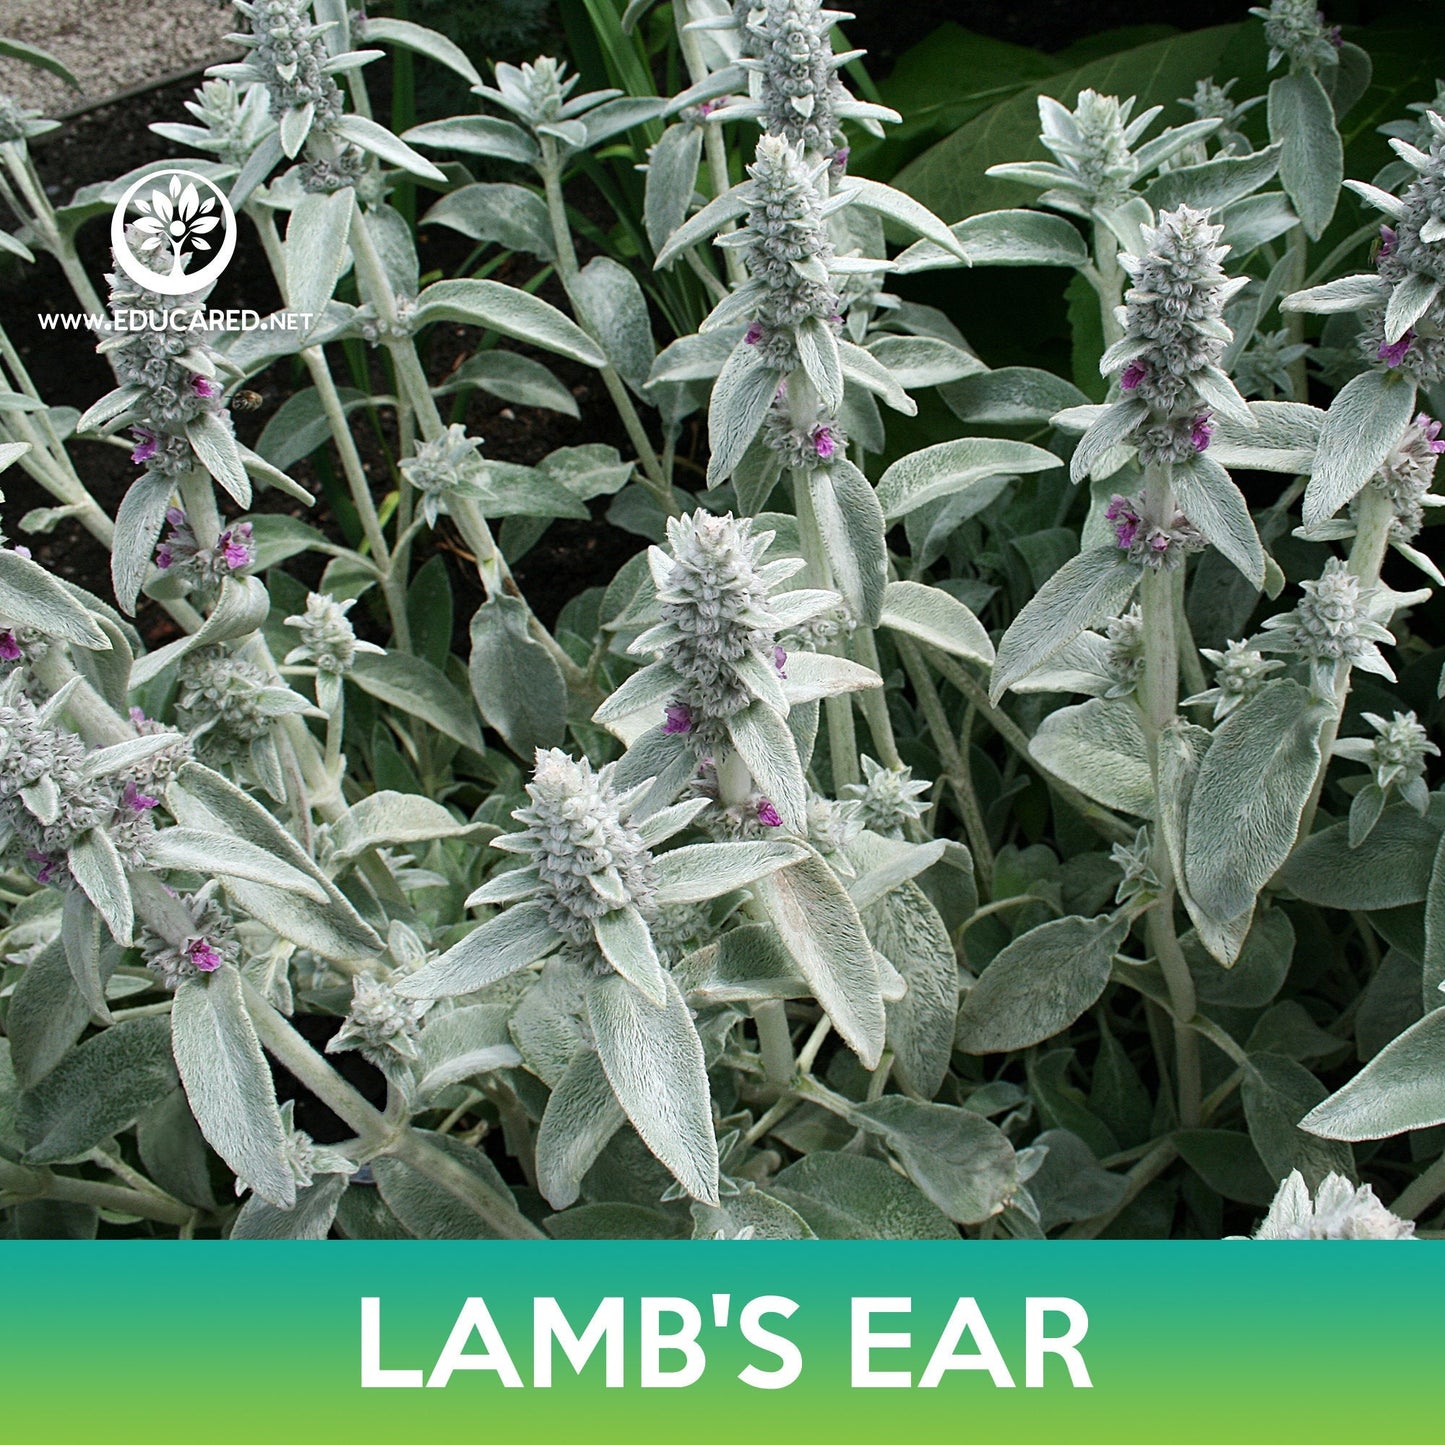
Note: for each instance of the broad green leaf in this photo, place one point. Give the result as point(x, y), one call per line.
point(31, 597)
point(511, 940)
point(964, 1164)
point(310, 1217)
point(516, 682)
point(1094, 585)
point(97, 1090)
point(477, 135)
point(46, 1014)
point(427, 1209)
point(1390, 869)
point(822, 932)
point(1278, 1093)
point(1401, 1088)
point(852, 524)
point(741, 397)
point(610, 303)
point(314, 254)
point(653, 1059)
point(380, 142)
point(511, 216)
point(418, 688)
point(510, 311)
point(850, 1196)
point(952, 467)
point(1209, 498)
point(700, 871)
point(1037, 985)
point(1099, 747)
point(228, 1083)
point(1312, 156)
point(1365, 421)
point(1249, 796)
point(582, 1114)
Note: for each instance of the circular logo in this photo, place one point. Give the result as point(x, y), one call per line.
point(180, 220)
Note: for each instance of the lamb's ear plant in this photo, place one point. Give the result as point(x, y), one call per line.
point(1029, 832)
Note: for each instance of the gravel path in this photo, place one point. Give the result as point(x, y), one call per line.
point(110, 45)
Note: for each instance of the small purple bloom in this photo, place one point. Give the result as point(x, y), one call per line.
point(1387, 241)
point(1125, 520)
point(175, 517)
point(203, 955)
point(1335, 36)
point(164, 557)
point(232, 544)
point(780, 655)
point(768, 815)
point(679, 718)
point(204, 387)
point(707, 107)
point(1427, 424)
point(1134, 373)
point(47, 865)
point(137, 801)
point(1200, 432)
point(1392, 353)
point(754, 333)
point(137, 715)
point(10, 649)
point(147, 445)
point(1159, 542)
point(840, 157)
point(823, 442)
point(22, 552)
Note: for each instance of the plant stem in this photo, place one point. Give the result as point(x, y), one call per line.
point(1159, 591)
point(376, 1133)
point(775, 1042)
point(22, 1185)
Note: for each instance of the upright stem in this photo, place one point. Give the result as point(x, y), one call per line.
point(1159, 700)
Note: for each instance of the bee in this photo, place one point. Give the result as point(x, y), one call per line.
point(247, 401)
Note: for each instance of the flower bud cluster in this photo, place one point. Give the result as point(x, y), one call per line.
point(1239, 672)
point(1396, 756)
point(20, 646)
point(1298, 32)
point(1151, 541)
point(1212, 101)
point(831, 826)
point(49, 797)
point(1334, 623)
point(381, 1024)
point(590, 861)
point(1338, 1210)
point(805, 447)
point(791, 56)
point(714, 595)
point(18, 124)
point(1263, 368)
point(209, 942)
point(221, 701)
point(1124, 655)
point(327, 638)
point(182, 554)
point(1135, 860)
point(786, 246)
point(887, 799)
point(1406, 476)
point(304, 1156)
point(232, 121)
point(450, 464)
point(289, 57)
point(1174, 332)
point(1413, 248)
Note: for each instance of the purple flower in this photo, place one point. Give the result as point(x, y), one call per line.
point(1387, 242)
point(234, 548)
point(823, 442)
point(47, 865)
point(22, 552)
point(147, 444)
point(137, 715)
point(679, 718)
point(1201, 431)
point(1125, 519)
point(768, 815)
point(1134, 373)
point(1392, 353)
point(203, 955)
point(1427, 424)
point(1159, 542)
point(754, 333)
point(137, 801)
point(707, 107)
point(164, 557)
point(175, 517)
point(10, 649)
point(204, 387)
point(780, 653)
point(840, 158)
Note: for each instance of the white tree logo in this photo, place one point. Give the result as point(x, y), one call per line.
point(181, 220)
